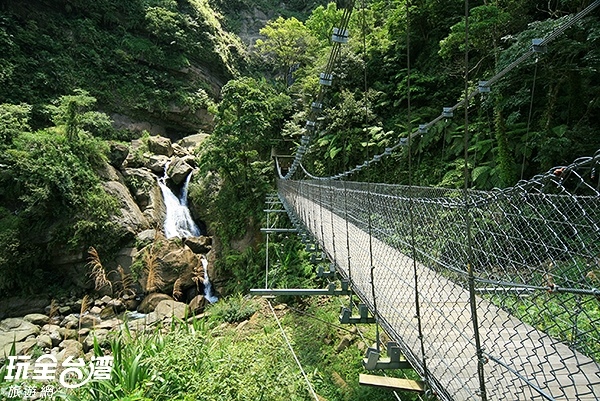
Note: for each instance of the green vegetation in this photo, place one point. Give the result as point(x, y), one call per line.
point(50, 193)
point(172, 63)
point(143, 58)
point(216, 360)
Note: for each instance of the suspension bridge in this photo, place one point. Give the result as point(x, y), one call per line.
point(489, 295)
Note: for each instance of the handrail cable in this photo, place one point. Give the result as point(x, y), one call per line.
point(285, 337)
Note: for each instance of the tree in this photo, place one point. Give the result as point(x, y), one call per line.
point(14, 119)
point(73, 114)
point(287, 45)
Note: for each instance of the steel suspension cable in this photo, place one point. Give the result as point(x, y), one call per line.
point(411, 204)
point(331, 62)
point(469, 254)
point(529, 117)
point(369, 195)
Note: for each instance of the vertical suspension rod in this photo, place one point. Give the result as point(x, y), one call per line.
point(467, 216)
point(412, 202)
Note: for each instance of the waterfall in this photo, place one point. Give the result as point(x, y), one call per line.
point(207, 285)
point(179, 222)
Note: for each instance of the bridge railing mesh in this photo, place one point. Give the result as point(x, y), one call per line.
point(506, 282)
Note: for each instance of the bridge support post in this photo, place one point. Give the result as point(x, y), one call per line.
point(373, 360)
point(328, 274)
point(363, 315)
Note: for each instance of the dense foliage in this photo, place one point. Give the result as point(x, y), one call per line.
point(157, 57)
point(153, 59)
point(50, 192)
point(218, 359)
point(540, 115)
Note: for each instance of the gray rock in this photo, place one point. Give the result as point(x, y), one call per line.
point(69, 348)
point(157, 163)
point(199, 245)
point(191, 142)
point(36, 318)
point(100, 336)
point(151, 301)
point(68, 334)
point(178, 170)
point(116, 305)
point(131, 219)
point(151, 318)
point(146, 236)
point(343, 344)
point(131, 303)
point(109, 173)
point(90, 320)
point(55, 337)
point(64, 309)
point(83, 332)
point(22, 348)
point(117, 154)
point(106, 299)
point(179, 151)
point(107, 312)
point(16, 330)
point(160, 145)
point(111, 324)
point(21, 306)
point(197, 304)
point(170, 308)
point(70, 321)
point(96, 310)
point(144, 186)
point(44, 341)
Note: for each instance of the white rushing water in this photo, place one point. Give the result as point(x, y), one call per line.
point(179, 223)
point(207, 285)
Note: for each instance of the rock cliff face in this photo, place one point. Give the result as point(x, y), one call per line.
point(152, 262)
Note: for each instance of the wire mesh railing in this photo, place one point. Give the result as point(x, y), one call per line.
point(534, 255)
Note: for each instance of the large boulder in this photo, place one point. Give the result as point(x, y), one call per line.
point(38, 319)
point(148, 196)
point(160, 145)
point(15, 330)
point(151, 301)
point(131, 219)
point(170, 308)
point(191, 142)
point(178, 171)
point(199, 245)
point(157, 163)
point(177, 267)
point(109, 173)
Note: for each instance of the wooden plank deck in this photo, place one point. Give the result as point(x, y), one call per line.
point(522, 357)
point(391, 383)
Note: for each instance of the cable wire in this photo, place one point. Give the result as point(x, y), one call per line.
point(285, 337)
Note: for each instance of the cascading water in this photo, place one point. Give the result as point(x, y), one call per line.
point(208, 295)
point(179, 223)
